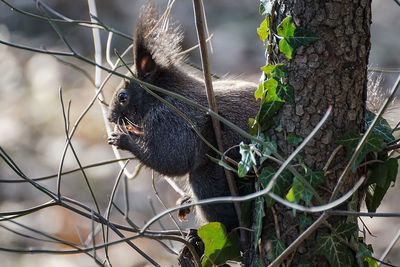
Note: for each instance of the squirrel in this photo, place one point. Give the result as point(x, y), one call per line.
point(160, 138)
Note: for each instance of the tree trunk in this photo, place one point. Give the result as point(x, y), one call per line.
point(331, 71)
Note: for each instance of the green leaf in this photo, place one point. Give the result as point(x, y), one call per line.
point(370, 262)
point(374, 143)
point(299, 192)
point(267, 69)
point(315, 178)
point(363, 251)
point(277, 247)
point(218, 246)
point(267, 112)
point(270, 85)
point(258, 216)
point(263, 30)
point(266, 7)
point(283, 181)
point(346, 230)
point(286, 48)
point(266, 151)
point(337, 254)
point(260, 91)
point(293, 139)
point(286, 92)
point(286, 28)
point(384, 173)
point(350, 141)
point(248, 159)
point(301, 37)
point(296, 192)
point(253, 126)
point(379, 180)
point(304, 221)
point(381, 128)
point(275, 71)
point(293, 37)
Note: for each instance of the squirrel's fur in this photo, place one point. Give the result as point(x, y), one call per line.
point(163, 140)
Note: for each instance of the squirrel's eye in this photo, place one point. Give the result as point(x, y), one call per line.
point(122, 97)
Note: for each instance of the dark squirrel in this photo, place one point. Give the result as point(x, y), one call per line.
point(159, 137)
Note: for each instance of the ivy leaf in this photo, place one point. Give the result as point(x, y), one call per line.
point(275, 71)
point(301, 37)
point(248, 159)
point(266, 151)
point(337, 254)
point(375, 143)
point(286, 48)
point(265, 7)
point(267, 112)
point(299, 192)
point(283, 181)
point(260, 91)
point(350, 141)
point(293, 37)
point(379, 179)
point(382, 127)
point(286, 28)
point(286, 92)
point(346, 230)
point(275, 246)
point(263, 30)
point(370, 262)
point(293, 139)
point(363, 251)
point(270, 106)
point(253, 126)
point(218, 246)
point(304, 221)
point(296, 192)
point(258, 216)
point(267, 69)
point(384, 173)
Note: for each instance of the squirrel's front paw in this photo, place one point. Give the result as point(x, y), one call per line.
point(120, 140)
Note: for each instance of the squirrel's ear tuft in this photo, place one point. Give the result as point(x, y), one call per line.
point(156, 43)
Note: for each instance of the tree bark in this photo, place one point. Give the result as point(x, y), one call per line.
point(330, 71)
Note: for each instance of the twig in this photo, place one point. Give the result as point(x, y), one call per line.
point(162, 203)
point(212, 104)
point(331, 157)
point(391, 245)
point(66, 20)
point(66, 172)
point(214, 200)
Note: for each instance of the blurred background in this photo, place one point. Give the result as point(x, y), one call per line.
point(32, 126)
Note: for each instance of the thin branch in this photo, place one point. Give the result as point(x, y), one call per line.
point(66, 172)
point(212, 104)
point(363, 214)
point(162, 203)
point(389, 248)
point(214, 200)
point(66, 20)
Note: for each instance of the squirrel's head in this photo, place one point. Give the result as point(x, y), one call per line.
point(156, 47)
